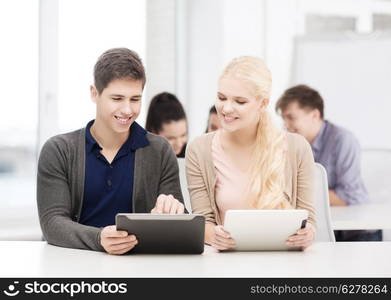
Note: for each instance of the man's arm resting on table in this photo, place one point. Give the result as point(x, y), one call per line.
point(59, 226)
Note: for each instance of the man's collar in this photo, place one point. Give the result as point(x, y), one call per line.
point(137, 138)
point(317, 143)
point(91, 143)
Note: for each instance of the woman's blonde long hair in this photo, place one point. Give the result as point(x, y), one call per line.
point(269, 156)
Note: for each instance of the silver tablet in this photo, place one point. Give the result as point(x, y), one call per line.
point(164, 233)
point(255, 230)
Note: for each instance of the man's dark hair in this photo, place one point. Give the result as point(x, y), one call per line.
point(118, 63)
point(212, 111)
point(305, 96)
point(164, 108)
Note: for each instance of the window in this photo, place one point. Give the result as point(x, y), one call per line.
point(86, 29)
point(18, 117)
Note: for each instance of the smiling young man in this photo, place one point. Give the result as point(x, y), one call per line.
point(334, 147)
point(111, 166)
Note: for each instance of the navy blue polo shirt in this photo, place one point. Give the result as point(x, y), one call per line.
point(108, 188)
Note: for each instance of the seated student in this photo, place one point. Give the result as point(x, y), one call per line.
point(248, 163)
point(111, 166)
point(334, 147)
point(213, 120)
point(166, 117)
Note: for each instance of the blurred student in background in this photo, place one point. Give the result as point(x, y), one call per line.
point(213, 120)
point(334, 147)
point(166, 117)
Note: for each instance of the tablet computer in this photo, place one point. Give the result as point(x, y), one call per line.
point(256, 230)
point(164, 233)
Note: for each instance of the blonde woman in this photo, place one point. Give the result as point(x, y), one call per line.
point(248, 163)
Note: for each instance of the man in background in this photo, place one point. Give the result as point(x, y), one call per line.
point(334, 147)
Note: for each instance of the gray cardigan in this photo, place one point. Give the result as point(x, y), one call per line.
point(60, 186)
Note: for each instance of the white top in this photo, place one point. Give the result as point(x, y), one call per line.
point(38, 259)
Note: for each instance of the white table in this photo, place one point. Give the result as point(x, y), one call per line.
point(38, 259)
point(362, 216)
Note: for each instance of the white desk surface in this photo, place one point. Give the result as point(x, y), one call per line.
point(361, 216)
point(38, 259)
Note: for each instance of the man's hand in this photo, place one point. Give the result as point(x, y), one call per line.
point(116, 242)
point(335, 200)
point(167, 204)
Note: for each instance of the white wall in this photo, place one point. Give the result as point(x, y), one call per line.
point(111, 23)
point(281, 27)
point(161, 47)
point(217, 32)
point(48, 70)
point(204, 56)
point(208, 35)
point(353, 75)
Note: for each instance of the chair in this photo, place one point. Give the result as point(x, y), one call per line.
point(182, 178)
point(322, 209)
point(324, 232)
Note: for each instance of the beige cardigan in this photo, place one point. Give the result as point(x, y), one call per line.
point(201, 176)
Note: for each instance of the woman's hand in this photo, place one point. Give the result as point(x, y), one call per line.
point(167, 204)
point(303, 238)
point(218, 238)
